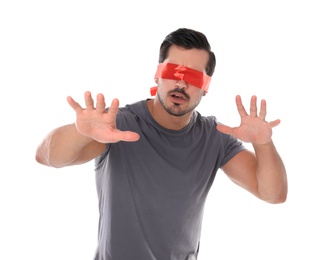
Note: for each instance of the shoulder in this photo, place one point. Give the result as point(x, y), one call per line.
point(209, 125)
point(205, 122)
point(130, 116)
point(136, 108)
point(132, 110)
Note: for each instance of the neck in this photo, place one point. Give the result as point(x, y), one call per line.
point(165, 119)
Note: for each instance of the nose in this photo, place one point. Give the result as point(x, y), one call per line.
point(182, 84)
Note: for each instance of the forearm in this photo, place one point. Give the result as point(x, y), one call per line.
point(61, 147)
point(271, 174)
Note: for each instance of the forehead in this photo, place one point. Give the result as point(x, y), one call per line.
point(193, 58)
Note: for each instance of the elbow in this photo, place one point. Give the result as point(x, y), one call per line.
point(282, 198)
point(279, 198)
point(275, 194)
point(38, 159)
point(282, 194)
point(39, 156)
point(42, 158)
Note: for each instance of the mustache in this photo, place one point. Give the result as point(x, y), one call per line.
point(180, 91)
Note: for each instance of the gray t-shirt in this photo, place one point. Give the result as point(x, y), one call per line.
point(152, 192)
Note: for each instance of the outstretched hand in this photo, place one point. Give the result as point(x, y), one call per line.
point(98, 123)
point(253, 127)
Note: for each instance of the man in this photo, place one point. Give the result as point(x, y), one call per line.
point(156, 159)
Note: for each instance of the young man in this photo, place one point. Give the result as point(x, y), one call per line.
point(156, 159)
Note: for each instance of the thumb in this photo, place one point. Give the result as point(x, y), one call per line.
point(224, 129)
point(129, 136)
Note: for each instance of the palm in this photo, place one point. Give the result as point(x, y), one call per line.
point(253, 127)
point(99, 123)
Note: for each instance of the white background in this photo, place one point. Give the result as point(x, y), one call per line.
point(52, 49)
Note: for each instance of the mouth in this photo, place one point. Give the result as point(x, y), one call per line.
point(178, 97)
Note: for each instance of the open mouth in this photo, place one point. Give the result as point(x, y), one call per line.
point(178, 97)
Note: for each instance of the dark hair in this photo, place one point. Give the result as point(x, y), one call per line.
point(188, 39)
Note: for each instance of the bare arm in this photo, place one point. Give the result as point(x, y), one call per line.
point(262, 172)
point(65, 146)
point(87, 138)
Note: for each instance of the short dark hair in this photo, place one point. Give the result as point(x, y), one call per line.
point(188, 39)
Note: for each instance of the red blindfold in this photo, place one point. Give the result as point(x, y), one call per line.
point(177, 72)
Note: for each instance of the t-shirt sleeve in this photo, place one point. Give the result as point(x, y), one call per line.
point(232, 146)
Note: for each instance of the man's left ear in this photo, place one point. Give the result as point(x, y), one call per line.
point(156, 80)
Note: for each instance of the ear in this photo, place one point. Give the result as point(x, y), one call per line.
point(156, 80)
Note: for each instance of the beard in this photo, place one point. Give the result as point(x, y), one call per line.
point(177, 109)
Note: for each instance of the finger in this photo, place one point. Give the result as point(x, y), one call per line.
point(113, 109)
point(100, 103)
point(253, 107)
point(263, 110)
point(274, 123)
point(75, 105)
point(89, 102)
point(224, 129)
point(240, 108)
point(129, 136)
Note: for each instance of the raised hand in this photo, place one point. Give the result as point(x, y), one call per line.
point(98, 123)
point(253, 127)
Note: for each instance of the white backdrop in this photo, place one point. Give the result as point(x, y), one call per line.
point(52, 49)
